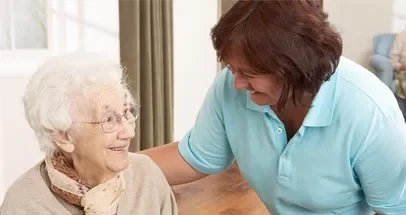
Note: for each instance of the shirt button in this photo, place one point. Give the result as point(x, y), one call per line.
point(279, 130)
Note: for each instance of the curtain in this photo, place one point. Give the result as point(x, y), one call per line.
point(146, 53)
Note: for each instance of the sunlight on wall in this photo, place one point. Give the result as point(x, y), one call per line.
point(92, 26)
point(195, 64)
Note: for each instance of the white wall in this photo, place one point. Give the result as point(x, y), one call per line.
point(2, 154)
point(195, 64)
point(18, 147)
point(358, 21)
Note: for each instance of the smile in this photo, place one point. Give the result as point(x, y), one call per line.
point(119, 149)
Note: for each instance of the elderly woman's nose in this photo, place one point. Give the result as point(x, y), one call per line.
point(126, 130)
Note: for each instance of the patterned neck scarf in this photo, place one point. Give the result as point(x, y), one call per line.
point(65, 182)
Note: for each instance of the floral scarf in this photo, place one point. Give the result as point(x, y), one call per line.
point(65, 182)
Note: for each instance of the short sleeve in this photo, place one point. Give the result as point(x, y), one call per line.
point(381, 164)
point(206, 147)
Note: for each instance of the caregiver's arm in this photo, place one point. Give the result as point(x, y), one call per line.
point(174, 167)
point(380, 164)
point(205, 149)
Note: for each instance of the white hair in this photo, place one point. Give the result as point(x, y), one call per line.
point(47, 99)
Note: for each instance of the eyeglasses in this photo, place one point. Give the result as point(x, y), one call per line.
point(111, 119)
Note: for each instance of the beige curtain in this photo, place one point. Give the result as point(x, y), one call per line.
point(146, 52)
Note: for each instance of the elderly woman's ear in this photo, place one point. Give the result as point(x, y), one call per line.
point(64, 141)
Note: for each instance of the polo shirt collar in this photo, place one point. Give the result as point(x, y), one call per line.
point(322, 108)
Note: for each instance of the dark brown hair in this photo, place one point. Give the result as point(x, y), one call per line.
point(289, 38)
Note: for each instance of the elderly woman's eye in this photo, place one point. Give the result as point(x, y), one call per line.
point(109, 119)
point(131, 114)
point(128, 113)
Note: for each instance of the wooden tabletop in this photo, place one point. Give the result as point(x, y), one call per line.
point(226, 193)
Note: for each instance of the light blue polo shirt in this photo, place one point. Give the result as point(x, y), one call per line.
point(348, 157)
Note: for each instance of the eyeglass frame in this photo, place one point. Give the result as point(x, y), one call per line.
point(119, 118)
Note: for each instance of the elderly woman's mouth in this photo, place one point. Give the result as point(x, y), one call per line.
point(118, 149)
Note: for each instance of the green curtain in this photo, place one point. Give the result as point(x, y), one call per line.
point(146, 51)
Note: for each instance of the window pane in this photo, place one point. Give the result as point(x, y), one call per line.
point(30, 24)
point(71, 7)
point(100, 12)
point(399, 13)
point(72, 35)
point(398, 24)
point(399, 7)
point(98, 40)
point(5, 39)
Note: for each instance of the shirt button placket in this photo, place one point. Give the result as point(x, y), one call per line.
point(284, 162)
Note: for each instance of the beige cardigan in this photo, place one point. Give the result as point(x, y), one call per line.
point(147, 193)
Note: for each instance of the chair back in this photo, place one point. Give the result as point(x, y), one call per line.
point(382, 44)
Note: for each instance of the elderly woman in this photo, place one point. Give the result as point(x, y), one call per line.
point(399, 63)
point(399, 68)
point(84, 118)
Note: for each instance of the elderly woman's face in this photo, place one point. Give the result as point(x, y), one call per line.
point(103, 146)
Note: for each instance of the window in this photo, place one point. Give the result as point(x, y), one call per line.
point(32, 30)
point(399, 15)
point(90, 25)
point(23, 24)
point(25, 30)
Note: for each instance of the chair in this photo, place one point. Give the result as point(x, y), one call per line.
point(380, 61)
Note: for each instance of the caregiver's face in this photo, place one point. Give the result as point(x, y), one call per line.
point(265, 89)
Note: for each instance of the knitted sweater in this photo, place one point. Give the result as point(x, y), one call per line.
point(147, 192)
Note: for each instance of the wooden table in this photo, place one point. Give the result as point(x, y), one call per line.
point(226, 193)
